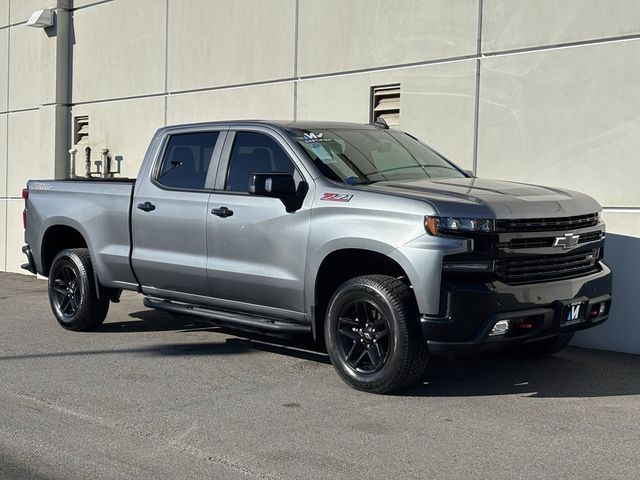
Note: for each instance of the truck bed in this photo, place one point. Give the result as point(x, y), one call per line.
point(98, 208)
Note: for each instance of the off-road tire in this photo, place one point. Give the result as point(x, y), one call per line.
point(74, 300)
point(407, 355)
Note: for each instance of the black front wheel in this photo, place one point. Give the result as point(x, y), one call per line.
point(372, 334)
point(73, 291)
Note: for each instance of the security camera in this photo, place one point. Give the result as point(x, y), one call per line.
point(41, 18)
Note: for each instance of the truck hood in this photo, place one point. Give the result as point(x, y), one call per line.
point(490, 198)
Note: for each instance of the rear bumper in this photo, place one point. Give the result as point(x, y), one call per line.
point(30, 266)
point(470, 310)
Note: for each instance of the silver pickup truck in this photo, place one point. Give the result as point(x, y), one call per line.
point(360, 235)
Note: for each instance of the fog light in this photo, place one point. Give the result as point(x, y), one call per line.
point(598, 309)
point(500, 328)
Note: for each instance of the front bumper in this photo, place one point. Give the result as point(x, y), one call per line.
point(470, 309)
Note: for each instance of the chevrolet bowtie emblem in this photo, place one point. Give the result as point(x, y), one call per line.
point(567, 241)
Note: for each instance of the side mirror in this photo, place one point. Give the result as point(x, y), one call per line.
point(278, 185)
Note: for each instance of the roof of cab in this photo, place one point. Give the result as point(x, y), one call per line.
point(283, 124)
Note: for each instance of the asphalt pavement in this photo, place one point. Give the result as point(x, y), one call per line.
point(150, 396)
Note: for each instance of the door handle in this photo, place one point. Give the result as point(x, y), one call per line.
point(222, 212)
point(146, 206)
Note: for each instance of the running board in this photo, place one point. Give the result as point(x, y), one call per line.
point(228, 318)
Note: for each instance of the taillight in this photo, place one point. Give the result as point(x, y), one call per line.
point(25, 196)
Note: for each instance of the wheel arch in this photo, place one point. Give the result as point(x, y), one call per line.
point(58, 237)
point(341, 264)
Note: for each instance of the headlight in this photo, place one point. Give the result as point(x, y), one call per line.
point(444, 225)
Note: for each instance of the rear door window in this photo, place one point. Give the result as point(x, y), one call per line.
point(186, 160)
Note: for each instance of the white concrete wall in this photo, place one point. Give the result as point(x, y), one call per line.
point(33, 111)
point(436, 102)
point(540, 91)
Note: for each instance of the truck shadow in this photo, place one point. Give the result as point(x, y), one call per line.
point(575, 372)
point(153, 321)
point(622, 331)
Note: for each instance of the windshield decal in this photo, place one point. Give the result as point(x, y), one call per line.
point(336, 197)
point(312, 137)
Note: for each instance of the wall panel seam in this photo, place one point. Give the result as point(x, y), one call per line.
point(6, 166)
point(166, 59)
point(295, 58)
point(98, 2)
point(20, 110)
point(11, 25)
point(119, 99)
point(476, 100)
point(562, 45)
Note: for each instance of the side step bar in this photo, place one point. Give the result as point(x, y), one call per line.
point(227, 318)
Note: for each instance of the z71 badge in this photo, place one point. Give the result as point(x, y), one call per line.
point(336, 197)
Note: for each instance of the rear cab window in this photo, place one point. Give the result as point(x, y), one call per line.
point(186, 160)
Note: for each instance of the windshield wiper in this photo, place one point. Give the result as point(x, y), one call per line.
point(446, 167)
point(358, 181)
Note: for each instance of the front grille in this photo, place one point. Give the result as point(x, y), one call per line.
point(590, 237)
point(531, 242)
point(542, 242)
point(544, 268)
point(547, 224)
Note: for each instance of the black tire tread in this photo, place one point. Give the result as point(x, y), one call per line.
point(93, 310)
point(413, 361)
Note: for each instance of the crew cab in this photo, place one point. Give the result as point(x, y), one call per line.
point(359, 235)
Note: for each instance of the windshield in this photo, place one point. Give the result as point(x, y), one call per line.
point(366, 156)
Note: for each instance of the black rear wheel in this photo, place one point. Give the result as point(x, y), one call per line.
point(73, 292)
point(68, 295)
point(372, 334)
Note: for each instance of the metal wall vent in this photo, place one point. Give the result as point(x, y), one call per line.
point(81, 130)
point(385, 104)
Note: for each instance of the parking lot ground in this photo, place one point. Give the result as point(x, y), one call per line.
point(150, 396)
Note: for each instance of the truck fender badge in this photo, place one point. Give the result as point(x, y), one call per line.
point(336, 197)
point(567, 241)
point(42, 186)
